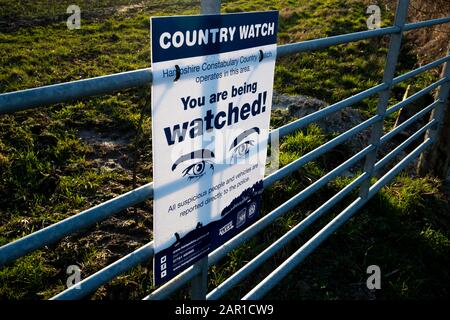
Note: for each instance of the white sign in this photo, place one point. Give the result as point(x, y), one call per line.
point(211, 102)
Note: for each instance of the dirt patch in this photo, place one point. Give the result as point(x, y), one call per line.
point(121, 234)
point(130, 8)
point(126, 231)
point(110, 151)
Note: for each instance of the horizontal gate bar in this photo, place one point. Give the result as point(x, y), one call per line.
point(419, 70)
point(408, 122)
point(399, 167)
point(176, 283)
point(87, 218)
point(403, 145)
point(64, 92)
point(428, 23)
point(415, 96)
point(93, 282)
point(287, 266)
point(295, 165)
point(316, 44)
point(317, 115)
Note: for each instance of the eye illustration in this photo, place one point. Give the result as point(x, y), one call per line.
point(242, 150)
point(204, 164)
point(243, 144)
point(198, 170)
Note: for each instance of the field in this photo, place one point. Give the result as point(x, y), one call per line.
point(58, 160)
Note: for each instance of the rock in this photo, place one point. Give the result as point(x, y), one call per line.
point(335, 123)
point(295, 107)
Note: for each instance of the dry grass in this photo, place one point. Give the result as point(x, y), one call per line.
point(430, 42)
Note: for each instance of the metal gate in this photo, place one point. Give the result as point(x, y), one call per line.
point(197, 274)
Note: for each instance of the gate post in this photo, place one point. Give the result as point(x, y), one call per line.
point(436, 160)
point(199, 284)
point(383, 101)
point(210, 7)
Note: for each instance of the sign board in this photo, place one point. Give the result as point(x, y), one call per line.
point(211, 102)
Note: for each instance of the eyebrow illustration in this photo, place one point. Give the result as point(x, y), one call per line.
point(243, 135)
point(198, 154)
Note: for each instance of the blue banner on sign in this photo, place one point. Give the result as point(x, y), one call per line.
point(186, 250)
point(190, 36)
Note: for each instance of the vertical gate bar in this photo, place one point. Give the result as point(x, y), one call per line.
point(428, 162)
point(199, 284)
point(389, 73)
point(210, 7)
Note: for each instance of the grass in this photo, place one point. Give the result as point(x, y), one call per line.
point(47, 173)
